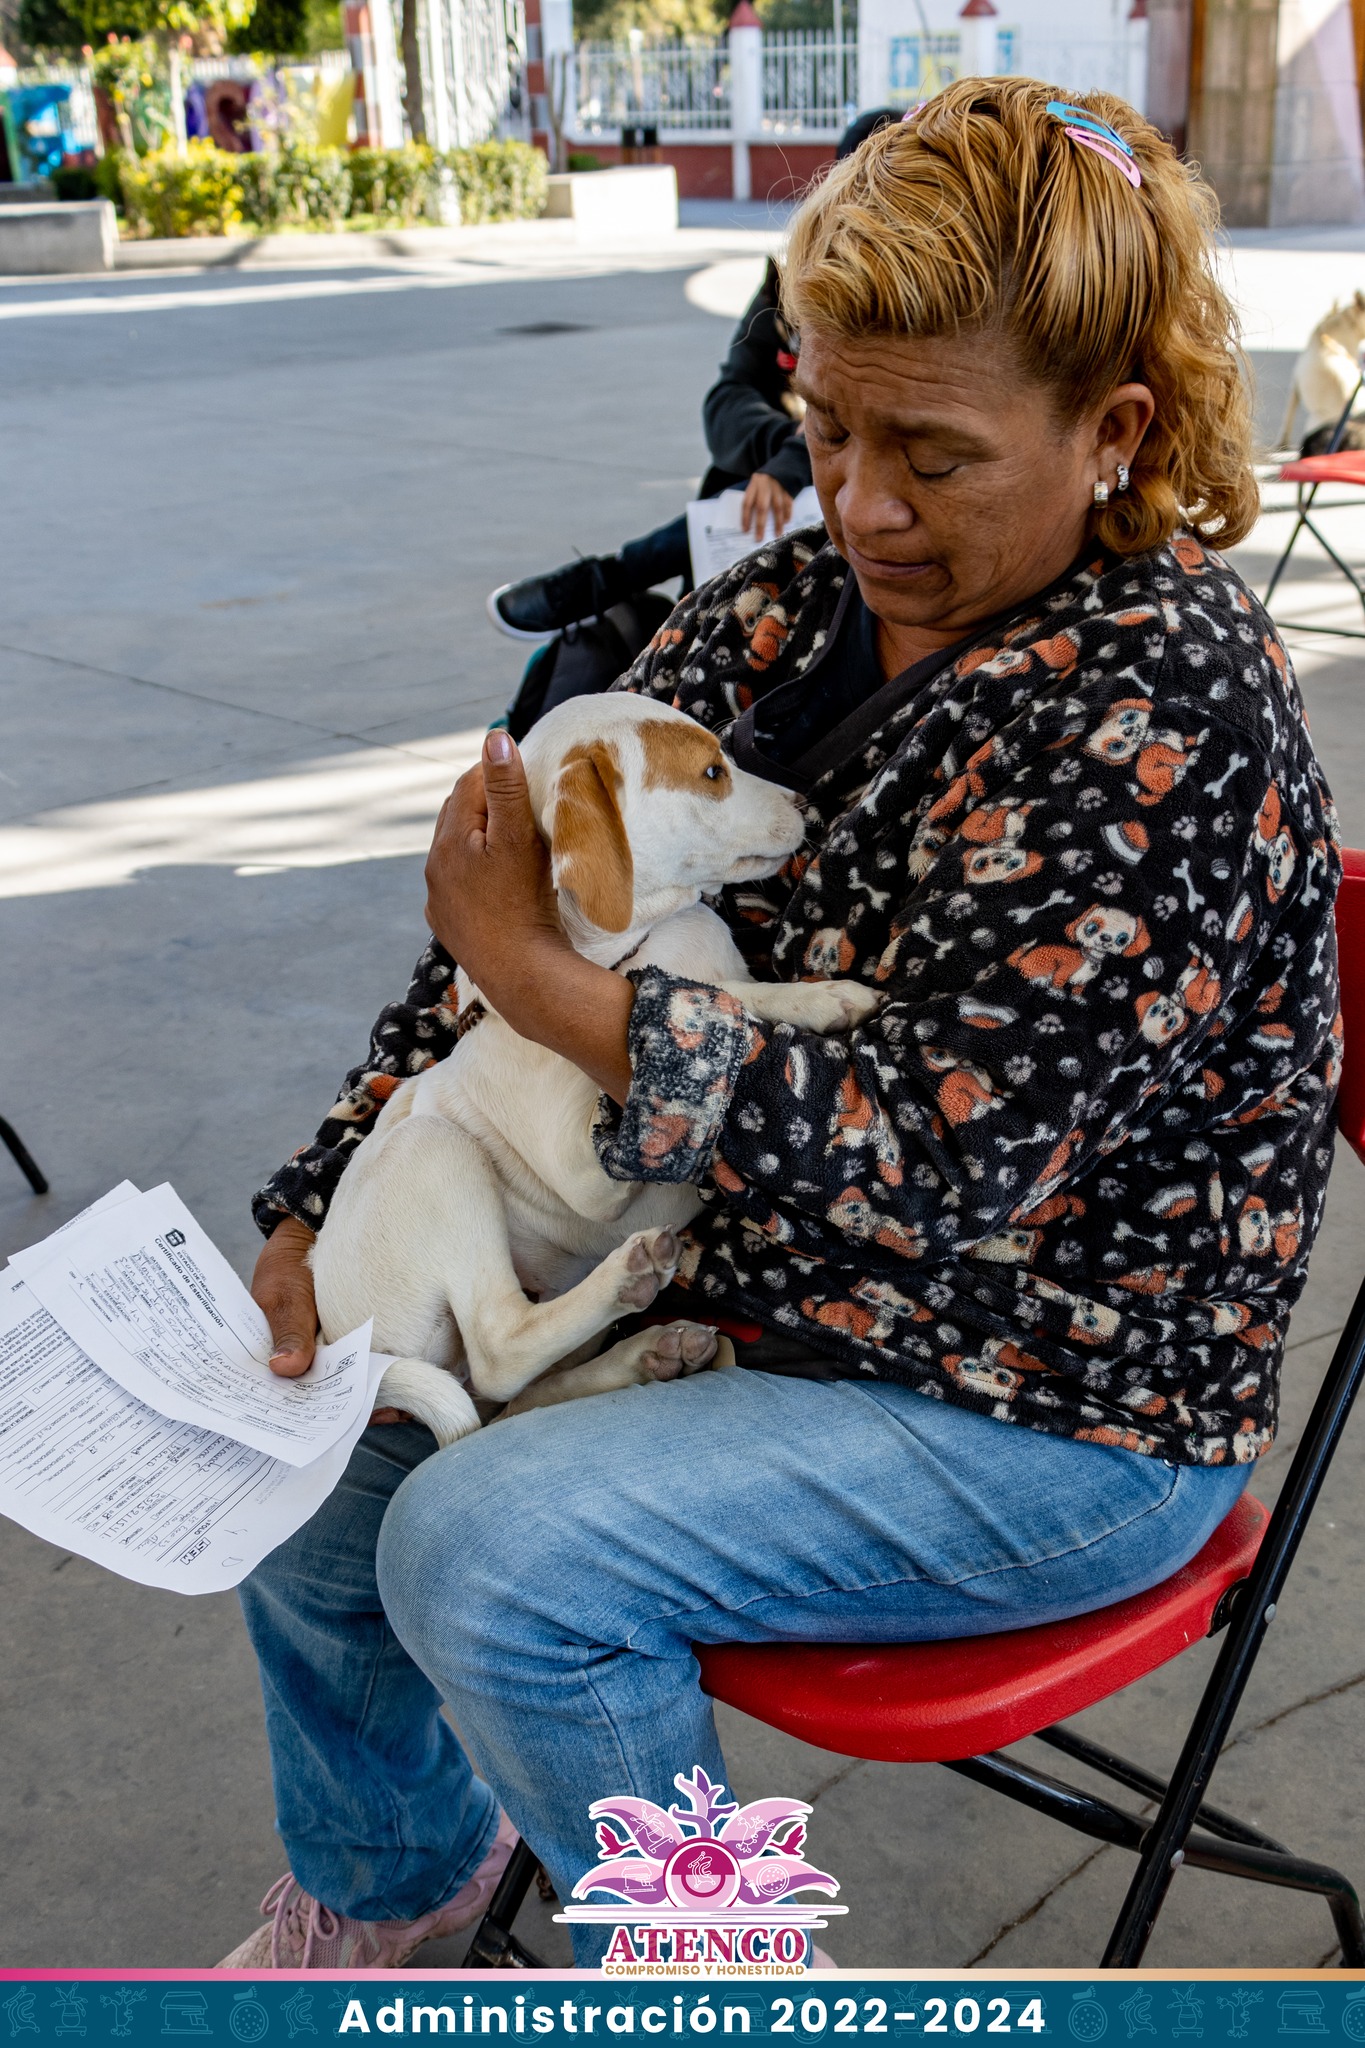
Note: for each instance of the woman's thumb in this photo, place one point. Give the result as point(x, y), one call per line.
point(504, 782)
point(502, 759)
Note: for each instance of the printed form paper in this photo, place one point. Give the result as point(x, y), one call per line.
point(85, 1465)
point(141, 1289)
point(716, 540)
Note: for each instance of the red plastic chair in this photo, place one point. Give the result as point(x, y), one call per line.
point(1337, 466)
point(960, 1702)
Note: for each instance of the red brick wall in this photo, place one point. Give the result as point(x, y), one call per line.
point(776, 170)
point(783, 171)
point(703, 168)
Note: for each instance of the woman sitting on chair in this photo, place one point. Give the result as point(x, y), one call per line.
point(1018, 1255)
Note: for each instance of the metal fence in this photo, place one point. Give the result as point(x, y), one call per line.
point(330, 65)
point(810, 82)
point(663, 84)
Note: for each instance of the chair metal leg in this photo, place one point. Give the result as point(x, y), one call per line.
point(1102, 1821)
point(1165, 1845)
point(494, 1946)
point(1347, 571)
point(1295, 1873)
point(23, 1158)
point(1305, 506)
point(1283, 562)
point(1211, 1818)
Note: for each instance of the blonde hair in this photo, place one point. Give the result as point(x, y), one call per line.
point(982, 215)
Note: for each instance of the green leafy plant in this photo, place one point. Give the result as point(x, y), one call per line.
point(584, 160)
point(132, 79)
point(279, 26)
point(396, 186)
point(294, 186)
point(208, 191)
point(499, 181)
point(199, 193)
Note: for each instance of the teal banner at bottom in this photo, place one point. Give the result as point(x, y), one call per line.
point(546, 2007)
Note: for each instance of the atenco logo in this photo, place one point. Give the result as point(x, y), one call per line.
point(712, 1884)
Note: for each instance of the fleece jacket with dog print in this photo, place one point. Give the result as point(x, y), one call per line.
point(1069, 1175)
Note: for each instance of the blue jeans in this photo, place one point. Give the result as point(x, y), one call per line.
point(548, 1577)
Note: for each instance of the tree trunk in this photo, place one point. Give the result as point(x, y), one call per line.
point(412, 74)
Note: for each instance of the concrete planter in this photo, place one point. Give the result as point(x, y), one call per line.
point(47, 240)
point(633, 199)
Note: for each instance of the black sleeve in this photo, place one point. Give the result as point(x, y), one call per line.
point(747, 426)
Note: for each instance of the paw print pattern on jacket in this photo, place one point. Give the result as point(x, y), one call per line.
point(1070, 1173)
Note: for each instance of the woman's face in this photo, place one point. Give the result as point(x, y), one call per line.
point(947, 480)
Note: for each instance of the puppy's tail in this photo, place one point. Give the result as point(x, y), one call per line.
point(433, 1396)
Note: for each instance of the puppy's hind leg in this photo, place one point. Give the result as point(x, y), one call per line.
point(434, 1225)
point(666, 1352)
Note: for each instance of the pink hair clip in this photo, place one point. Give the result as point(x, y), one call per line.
point(1092, 133)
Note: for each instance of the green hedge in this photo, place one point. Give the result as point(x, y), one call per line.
point(209, 191)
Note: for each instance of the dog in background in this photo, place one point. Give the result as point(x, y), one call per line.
point(475, 1223)
point(1325, 376)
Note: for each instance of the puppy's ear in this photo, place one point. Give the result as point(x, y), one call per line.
point(589, 851)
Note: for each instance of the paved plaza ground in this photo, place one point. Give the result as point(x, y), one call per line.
point(249, 524)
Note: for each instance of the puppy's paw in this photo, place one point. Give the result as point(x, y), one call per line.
point(648, 1261)
point(677, 1349)
point(829, 1006)
point(856, 1002)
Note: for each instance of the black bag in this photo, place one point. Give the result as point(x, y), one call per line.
point(586, 658)
point(1319, 442)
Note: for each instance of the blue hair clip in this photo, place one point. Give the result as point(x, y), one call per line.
point(1098, 136)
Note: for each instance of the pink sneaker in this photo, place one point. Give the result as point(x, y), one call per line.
point(303, 1934)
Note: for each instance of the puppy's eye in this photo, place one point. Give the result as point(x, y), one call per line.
point(713, 773)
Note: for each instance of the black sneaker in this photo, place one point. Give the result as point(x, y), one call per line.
point(539, 606)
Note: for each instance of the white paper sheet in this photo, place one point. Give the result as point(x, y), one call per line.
point(715, 537)
point(85, 1465)
point(147, 1295)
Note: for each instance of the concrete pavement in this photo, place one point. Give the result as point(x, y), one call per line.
point(247, 537)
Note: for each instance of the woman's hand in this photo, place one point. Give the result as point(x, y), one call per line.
point(282, 1285)
point(492, 905)
point(765, 499)
point(490, 899)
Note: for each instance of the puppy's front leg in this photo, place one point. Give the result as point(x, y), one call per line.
point(668, 1352)
point(823, 1006)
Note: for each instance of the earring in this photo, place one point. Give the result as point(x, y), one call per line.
point(1101, 492)
point(1124, 474)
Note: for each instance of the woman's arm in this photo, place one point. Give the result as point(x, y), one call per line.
point(1017, 1044)
point(747, 428)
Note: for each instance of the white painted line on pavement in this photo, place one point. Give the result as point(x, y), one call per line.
point(371, 803)
point(236, 295)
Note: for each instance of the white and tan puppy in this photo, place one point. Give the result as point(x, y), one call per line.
point(479, 1186)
